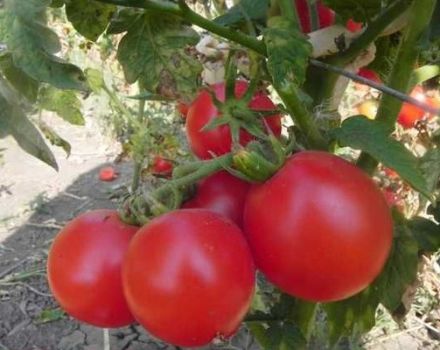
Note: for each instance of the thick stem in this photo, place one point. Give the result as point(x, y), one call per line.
point(328, 79)
point(421, 13)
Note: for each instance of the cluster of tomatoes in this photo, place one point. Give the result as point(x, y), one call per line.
point(319, 229)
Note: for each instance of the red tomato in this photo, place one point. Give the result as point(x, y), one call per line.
point(409, 114)
point(218, 141)
point(319, 229)
point(369, 74)
point(107, 174)
point(222, 193)
point(326, 16)
point(84, 268)
point(392, 174)
point(189, 277)
point(183, 109)
point(162, 166)
point(353, 26)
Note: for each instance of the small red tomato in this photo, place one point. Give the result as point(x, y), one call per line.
point(353, 26)
point(107, 173)
point(319, 229)
point(183, 109)
point(218, 141)
point(369, 74)
point(162, 166)
point(392, 174)
point(189, 277)
point(326, 16)
point(221, 193)
point(409, 114)
point(84, 268)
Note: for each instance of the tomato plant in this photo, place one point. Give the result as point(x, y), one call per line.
point(326, 16)
point(218, 141)
point(84, 268)
point(409, 114)
point(329, 230)
point(189, 277)
point(222, 193)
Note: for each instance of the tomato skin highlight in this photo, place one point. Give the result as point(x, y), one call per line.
point(189, 277)
point(222, 193)
point(328, 232)
point(409, 114)
point(84, 268)
point(218, 140)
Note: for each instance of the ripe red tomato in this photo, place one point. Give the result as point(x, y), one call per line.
point(107, 174)
point(221, 193)
point(189, 277)
point(162, 166)
point(369, 74)
point(319, 229)
point(326, 16)
point(183, 109)
point(218, 141)
point(84, 268)
point(409, 114)
point(353, 26)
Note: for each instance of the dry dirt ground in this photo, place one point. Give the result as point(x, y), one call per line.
point(35, 201)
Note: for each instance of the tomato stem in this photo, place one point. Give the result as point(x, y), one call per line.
point(400, 78)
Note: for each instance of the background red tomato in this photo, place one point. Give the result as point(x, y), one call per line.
point(328, 232)
point(221, 193)
point(162, 166)
point(353, 26)
point(189, 277)
point(107, 173)
point(409, 114)
point(218, 141)
point(326, 16)
point(84, 268)
point(369, 74)
point(183, 109)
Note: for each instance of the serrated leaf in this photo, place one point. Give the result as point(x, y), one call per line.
point(63, 102)
point(254, 10)
point(426, 233)
point(14, 122)
point(52, 136)
point(153, 52)
point(33, 46)
point(22, 82)
point(351, 316)
point(122, 20)
point(89, 18)
point(360, 11)
point(430, 166)
point(372, 137)
point(288, 52)
point(400, 270)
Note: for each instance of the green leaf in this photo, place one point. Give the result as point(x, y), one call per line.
point(63, 102)
point(123, 20)
point(95, 79)
point(254, 10)
point(153, 52)
point(426, 233)
point(50, 315)
point(15, 123)
point(352, 316)
point(18, 79)
point(400, 270)
point(372, 137)
point(360, 11)
point(430, 166)
point(278, 336)
point(89, 18)
point(54, 138)
point(33, 46)
point(288, 52)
